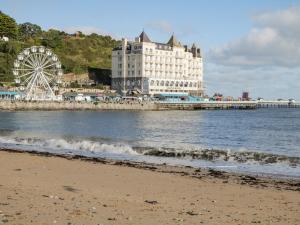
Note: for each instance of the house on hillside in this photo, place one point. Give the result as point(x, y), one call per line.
point(3, 38)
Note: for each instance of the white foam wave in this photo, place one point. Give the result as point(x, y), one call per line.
point(63, 144)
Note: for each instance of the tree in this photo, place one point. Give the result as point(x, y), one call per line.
point(53, 38)
point(29, 30)
point(8, 26)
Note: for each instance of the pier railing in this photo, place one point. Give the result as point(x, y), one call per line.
point(278, 104)
point(228, 104)
point(209, 104)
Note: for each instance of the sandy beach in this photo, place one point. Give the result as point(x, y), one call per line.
point(35, 189)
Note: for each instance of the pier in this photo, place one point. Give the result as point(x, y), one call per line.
point(208, 105)
point(228, 105)
point(278, 104)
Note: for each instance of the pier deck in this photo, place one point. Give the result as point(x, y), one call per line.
point(228, 104)
point(209, 105)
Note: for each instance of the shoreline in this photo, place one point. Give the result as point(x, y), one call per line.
point(258, 180)
point(43, 188)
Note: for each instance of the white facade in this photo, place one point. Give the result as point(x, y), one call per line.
point(3, 38)
point(157, 68)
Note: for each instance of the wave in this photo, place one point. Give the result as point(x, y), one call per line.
point(69, 144)
point(225, 155)
point(86, 146)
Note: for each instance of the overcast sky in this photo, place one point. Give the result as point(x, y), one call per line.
point(247, 45)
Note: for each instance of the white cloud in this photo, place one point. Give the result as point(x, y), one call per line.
point(270, 83)
point(162, 26)
point(274, 41)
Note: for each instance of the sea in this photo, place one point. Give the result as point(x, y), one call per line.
point(262, 142)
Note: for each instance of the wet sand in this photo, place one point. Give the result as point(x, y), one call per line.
point(39, 188)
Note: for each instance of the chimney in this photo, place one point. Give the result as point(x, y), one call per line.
point(137, 39)
point(194, 50)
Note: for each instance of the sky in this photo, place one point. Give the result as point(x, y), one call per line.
point(249, 45)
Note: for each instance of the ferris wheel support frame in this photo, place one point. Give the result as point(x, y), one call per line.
point(38, 72)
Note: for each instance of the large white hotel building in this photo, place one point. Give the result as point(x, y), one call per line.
point(157, 68)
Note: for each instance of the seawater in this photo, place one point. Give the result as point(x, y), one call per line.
point(264, 141)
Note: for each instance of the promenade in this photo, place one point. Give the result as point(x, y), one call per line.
point(144, 105)
point(64, 105)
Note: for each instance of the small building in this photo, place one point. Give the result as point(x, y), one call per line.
point(245, 96)
point(3, 38)
point(9, 95)
point(177, 97)
point(79, 97)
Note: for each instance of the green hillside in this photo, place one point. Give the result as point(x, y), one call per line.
point(77, 52)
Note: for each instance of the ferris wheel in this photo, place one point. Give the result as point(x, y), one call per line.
point(38, 73)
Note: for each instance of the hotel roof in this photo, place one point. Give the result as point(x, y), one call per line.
point(144, 37)
point(173, 42)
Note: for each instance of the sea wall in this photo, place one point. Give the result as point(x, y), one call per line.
point(142, 106)
point(45, 105)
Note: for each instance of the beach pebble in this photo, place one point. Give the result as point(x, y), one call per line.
point(192, 213)
point(153, 202)
point(2, 221)
point(178, 219)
